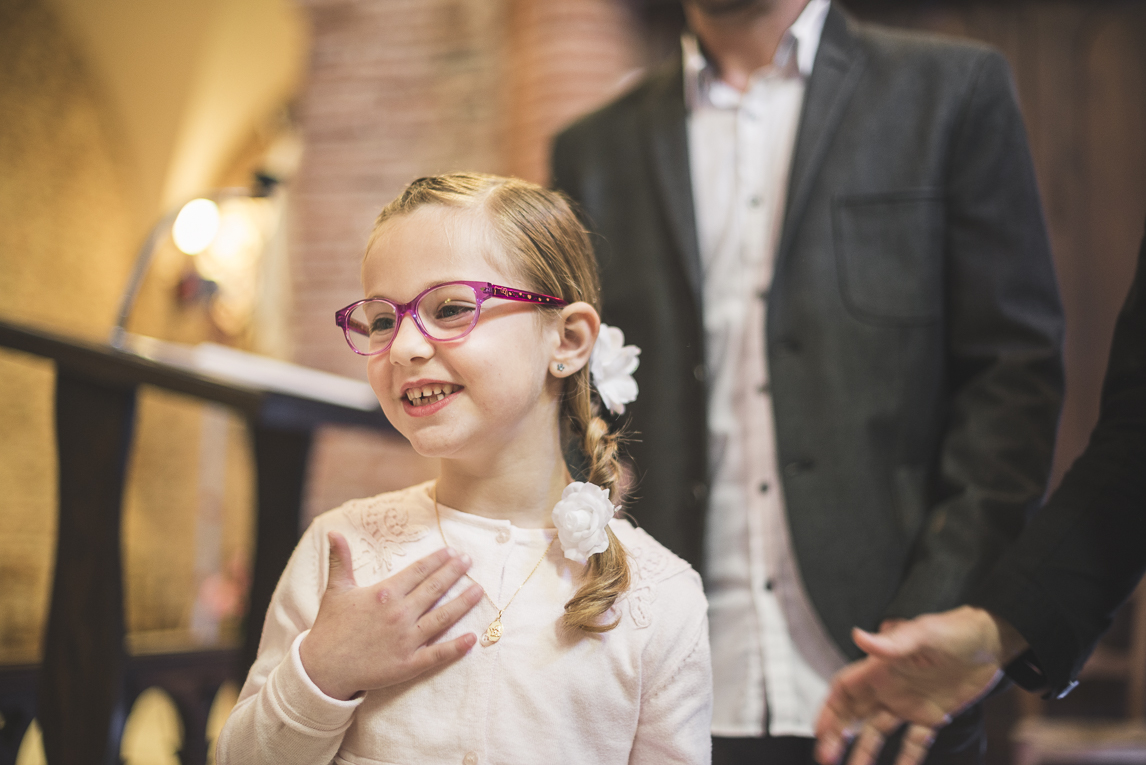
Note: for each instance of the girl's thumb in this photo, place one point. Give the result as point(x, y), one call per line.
point(341, 568)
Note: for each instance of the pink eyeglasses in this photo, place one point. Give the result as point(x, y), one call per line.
point(445, 311)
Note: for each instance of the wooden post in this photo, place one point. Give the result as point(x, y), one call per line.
point(81, 705)
point(280, 466)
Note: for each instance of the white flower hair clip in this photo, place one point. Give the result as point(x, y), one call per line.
point(611, 365)
point(581, 516)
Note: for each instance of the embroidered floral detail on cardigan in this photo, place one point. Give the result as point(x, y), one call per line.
point(649, 563)
point(384, 526)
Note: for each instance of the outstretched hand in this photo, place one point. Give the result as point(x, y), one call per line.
point(372, 637)
point(920, 672)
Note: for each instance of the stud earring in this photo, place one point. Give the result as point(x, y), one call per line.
point(560, 367)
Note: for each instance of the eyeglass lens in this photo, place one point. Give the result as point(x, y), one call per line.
point(446, 312)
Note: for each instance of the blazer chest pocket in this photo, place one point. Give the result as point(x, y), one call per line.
point(889, 255)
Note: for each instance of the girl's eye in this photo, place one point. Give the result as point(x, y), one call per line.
point(382, 324)
point(450, 312)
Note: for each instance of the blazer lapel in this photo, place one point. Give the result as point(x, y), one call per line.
point(667, 126)
point(839, 63)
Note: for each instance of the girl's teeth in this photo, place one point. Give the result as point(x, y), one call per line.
point(430, 392)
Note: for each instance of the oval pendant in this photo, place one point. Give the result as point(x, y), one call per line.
point(492, 632)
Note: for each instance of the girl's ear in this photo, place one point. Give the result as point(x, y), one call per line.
point(578, 325)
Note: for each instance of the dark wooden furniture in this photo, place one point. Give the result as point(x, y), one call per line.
point(86, 682)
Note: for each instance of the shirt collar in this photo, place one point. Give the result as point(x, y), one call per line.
point(804, 36)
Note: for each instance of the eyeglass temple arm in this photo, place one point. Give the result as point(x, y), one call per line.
point(507, 293)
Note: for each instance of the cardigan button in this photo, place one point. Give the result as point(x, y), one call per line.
point(502, 536)
point(471, 758)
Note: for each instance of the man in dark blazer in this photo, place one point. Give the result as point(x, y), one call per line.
point(913, 326)
point(1050, 597)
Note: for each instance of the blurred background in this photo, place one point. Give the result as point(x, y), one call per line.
point(114, 114)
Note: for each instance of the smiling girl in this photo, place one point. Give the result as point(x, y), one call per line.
point(499, 614)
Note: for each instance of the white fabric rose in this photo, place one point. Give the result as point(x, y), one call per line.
point(612, 364)
point(580, 517)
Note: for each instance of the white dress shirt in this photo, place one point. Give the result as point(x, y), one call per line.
point(772, 658)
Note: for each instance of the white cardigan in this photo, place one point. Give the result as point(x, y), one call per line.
point(542, 695)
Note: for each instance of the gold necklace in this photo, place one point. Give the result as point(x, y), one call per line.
point(494, 631)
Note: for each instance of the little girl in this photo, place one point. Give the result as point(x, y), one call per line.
point(498, 614)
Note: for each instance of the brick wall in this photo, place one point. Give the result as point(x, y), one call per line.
point(403, 88)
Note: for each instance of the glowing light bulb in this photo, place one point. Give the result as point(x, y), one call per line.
point(196, 226)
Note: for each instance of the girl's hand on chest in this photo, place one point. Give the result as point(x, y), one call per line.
point(372, 637)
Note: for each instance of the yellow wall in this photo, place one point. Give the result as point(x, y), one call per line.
point(188, 81)
point(111, 112)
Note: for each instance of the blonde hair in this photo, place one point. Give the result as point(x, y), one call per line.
point(537, 229)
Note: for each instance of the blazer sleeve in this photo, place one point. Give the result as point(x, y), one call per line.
point(1004, 329)
point(1084, 552)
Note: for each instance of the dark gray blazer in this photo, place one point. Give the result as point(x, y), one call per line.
point(914, 328)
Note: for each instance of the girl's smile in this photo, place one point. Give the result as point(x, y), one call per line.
point(425, 397)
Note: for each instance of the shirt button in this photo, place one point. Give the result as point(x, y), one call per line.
point(470, 759)
point(502, 536)
point(764, 389)
point(754, 200)
point(768, 585)
point(764, 487)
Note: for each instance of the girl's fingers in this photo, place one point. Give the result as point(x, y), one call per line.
point(404, 582)
point(442, 618)
point(429, 656)
point(434, 586)
point(341, 573)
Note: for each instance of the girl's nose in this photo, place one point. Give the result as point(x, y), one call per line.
point(409, 343)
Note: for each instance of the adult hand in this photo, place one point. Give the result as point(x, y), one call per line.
point(921, 672)
point(372, 637)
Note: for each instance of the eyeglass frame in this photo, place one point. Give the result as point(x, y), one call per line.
point(483, 291)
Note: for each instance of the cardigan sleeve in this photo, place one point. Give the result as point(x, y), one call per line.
point(676, 700)
point(282, 717)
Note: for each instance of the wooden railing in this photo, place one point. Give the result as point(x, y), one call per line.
point(86, 681)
